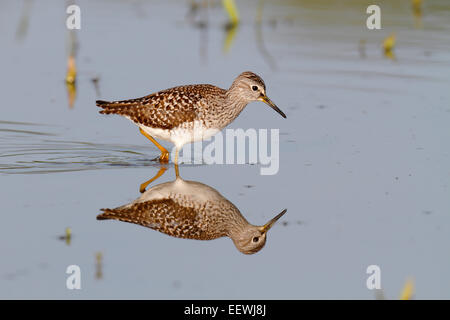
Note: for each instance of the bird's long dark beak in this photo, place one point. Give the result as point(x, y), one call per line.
point(269, 102)
point(269, 224)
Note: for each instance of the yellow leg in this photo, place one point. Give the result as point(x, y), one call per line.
point(164, 157)
point(176, 155)
point(177, 172)
point(145, 184)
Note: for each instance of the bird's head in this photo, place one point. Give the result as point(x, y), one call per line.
point(249, 87)
point(253, 238)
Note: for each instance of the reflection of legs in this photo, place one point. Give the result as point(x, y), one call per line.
point(164, 157)
point(159, 174)
point(177, 173)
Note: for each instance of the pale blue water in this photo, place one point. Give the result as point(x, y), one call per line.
point(364, 168)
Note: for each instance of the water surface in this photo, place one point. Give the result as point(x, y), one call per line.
point(364, 155)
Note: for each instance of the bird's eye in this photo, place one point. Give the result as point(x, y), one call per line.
point(255, 239)
point(255, 88)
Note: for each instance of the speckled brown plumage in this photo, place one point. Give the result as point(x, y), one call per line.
point(167, 216)
point(169, 108)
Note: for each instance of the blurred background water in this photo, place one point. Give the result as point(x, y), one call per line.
point(364, 153)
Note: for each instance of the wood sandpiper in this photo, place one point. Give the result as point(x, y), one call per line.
point(192, 210)
point(189, 113)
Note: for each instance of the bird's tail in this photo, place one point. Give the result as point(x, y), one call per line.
point(134, 214)
point(115, 214)
point(106, 214)
point(117, 107)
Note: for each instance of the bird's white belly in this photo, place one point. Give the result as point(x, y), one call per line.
point(181, 189)
point(183, 134)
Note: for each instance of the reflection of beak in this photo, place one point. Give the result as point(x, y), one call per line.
point(269, 102)
point(269, 224)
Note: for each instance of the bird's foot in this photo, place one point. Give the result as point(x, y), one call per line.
point(164, 157)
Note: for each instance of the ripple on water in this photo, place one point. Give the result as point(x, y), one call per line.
point(27, 148)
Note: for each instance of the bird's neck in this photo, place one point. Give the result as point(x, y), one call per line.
point(236, 225)
point(234, 104)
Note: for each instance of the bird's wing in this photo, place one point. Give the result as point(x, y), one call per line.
point(166, 109)
point(164, 215)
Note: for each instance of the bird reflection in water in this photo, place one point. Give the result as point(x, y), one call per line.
point(192, 210)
